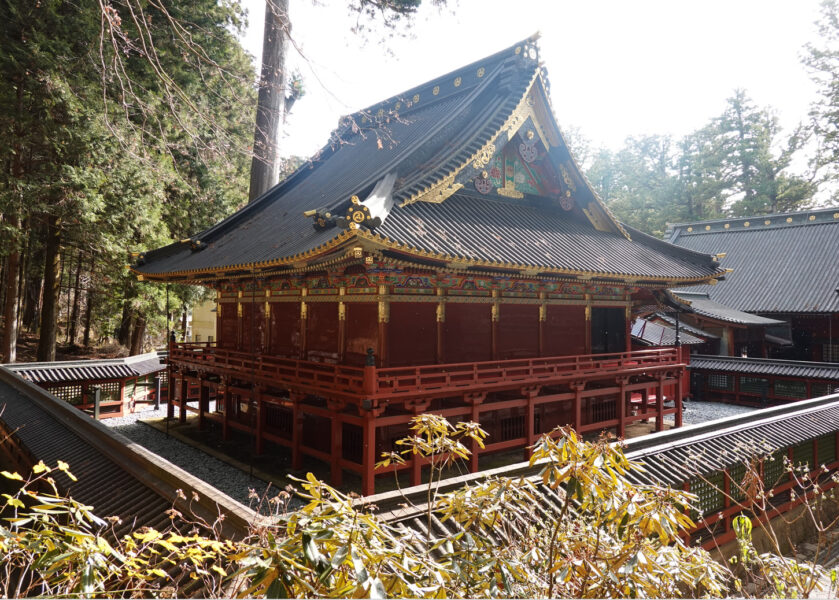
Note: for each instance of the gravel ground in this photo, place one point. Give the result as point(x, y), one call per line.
point(699, 412)
point(237, 483)
point(226, 478)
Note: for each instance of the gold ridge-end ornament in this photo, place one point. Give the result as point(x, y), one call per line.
point(357, 216)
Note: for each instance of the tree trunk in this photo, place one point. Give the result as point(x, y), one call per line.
point(34, 280)
point(88, 311)
point(9, 347)
point(265, 168)
point(49, 314)
point(183, 324)
point(138, 335)
point(126, 325)
point(74, 313)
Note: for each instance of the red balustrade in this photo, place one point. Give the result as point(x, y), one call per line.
point(433, 380)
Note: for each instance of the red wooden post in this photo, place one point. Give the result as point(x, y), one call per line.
point(474, 399)
point(203, 400)
point(441, 323)
point(225, 399)
point(296, 430)
point(370, 381)
point(174, 389)
point(183, 399)
point(578, 387)
point(622, 407)
point(659, 404)
point(678, 401)
point(260, 420)
point(368, 460)
point(417, 407)
point(530, 419)
point(336, 428)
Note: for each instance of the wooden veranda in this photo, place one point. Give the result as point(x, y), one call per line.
point(293, 402)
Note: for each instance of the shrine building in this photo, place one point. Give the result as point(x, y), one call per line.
point(442, 253)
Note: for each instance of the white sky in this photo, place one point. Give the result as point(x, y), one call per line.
point(617, 68)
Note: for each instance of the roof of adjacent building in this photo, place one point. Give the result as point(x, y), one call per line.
point(89, 370)
point(783, 263)
point(766, 366)
point(701, 304)
point(684, 326)
point(434, 142)
point(650, 333)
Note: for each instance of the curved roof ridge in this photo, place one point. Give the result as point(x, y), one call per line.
point(500, 56)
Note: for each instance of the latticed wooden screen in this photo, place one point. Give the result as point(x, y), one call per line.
point(791, 389)
point(821, 389)
point(68, 393)
point(719, 381)
point(826, 447)
point(709, 490)
point(110, 392)
point(754, 385)
point(736, 473)
point(773, 469)
point(802, 454)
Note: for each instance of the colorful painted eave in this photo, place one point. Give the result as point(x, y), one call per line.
point(370, 242)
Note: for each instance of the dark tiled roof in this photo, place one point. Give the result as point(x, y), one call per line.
point(426, 137)
point(656, 334)
point(87, 370)
point(789, 265)
point(689, 328)
point(530, 233)
point(703, 306)
point(766, 366)
point(723, 443)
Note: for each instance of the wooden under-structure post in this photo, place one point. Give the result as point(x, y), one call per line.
point(474, 399)
point(259, 445)
point(659, 403)
point(296, 430)
point(417, 407)
point(336, 471)
point(578, 387)
point(225, 399)
point(203, 401)
point(622, 381)
point(368, 456)
point(678, 400)
point(183, 399)
point(530, 419)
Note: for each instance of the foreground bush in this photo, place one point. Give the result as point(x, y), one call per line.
point(602, 536)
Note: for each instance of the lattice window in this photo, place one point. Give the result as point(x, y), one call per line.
point(720, 381)
point(826, 446)
point(773, 469)
point(110, 392)
point(830, 352)
point(754, 385)
point(803, 454)
point(791, 389)
point(736, 473)
point(821, 389)
point(68, 393)
point(709, 491)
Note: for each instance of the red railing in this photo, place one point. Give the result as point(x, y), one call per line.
point(319, 376)
point(435, 380)
point(526, 370)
